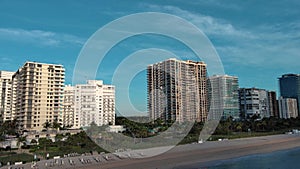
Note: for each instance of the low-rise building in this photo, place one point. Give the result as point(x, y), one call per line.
point(115, 129)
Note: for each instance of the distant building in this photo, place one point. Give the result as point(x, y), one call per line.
point(273, 104)
point(37, 95)
point(290, 87)
point(254, 101)
point(288, 108)
point(224, 94)
point(5, 95)
point(177, 90)
point(94, 102)
point(115, 129)
point(68, 106)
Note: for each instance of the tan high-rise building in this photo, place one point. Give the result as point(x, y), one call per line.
point(69, 104)
point(5, 95)
point(177, 90)
point(38, 95)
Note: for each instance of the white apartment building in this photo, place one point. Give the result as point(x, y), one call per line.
point(5, 95)
point(254, 101)
point(177, 90)
point(94, 102)
point(68, 106)
point(37, 95)
point(288, 108)
point(224, 97)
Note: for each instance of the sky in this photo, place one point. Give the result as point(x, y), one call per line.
point(257, 41)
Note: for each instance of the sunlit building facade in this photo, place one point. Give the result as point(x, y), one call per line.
point(37, 95)
point(68, 106)
point(177, 90)
point(5, 95)
point(94, 103)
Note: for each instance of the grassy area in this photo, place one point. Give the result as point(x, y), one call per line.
point(55, 150)
point(6, 153)
point(243, 135)
point(191, 138)
point(79, 143)
point(12, 158)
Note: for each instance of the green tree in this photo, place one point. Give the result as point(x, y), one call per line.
point(56, 125)
point(44, 142)
point(238, 126)
point(33, 141)
point(21, 141)
point(47, 125)
point(59, 137)
point(9, 128)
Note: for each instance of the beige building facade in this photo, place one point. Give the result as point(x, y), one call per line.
point(38, 95)
point(5, 95)
point(68, 106)
point(177, 90)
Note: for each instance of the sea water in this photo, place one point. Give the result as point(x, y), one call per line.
point(285, 159)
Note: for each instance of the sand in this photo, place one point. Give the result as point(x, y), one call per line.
point(201, 155)
point(183, 156)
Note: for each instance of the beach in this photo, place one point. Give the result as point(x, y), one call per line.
point(200, 155)
point(203, 155)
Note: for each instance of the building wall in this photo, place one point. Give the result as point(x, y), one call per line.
point(288, 108)
point(94, 102)
point(38, 95)
point(5, 95)
point(68, 106)
point(273, 104)
point(224, 96)
point(254, 101)
point(177, 90)
point(290, 86)
point(264, 106)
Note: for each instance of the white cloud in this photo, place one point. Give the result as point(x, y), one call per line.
point(218, 4)
point(39, 37)
point(261, 45)
point(208, 24)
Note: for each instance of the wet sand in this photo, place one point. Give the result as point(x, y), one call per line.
point(201, 155)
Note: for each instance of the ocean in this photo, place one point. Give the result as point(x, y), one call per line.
point(285, 159)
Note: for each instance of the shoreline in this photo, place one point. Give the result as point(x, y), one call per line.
point(253, 149)
point(218, 163)
point(208, 153)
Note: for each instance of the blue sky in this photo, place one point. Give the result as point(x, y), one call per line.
point(256, 40)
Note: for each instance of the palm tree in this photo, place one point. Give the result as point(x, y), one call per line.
point(33, 141)
point(55, 125)
point(47, 125)
point(21, 140)
point(59, 137)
